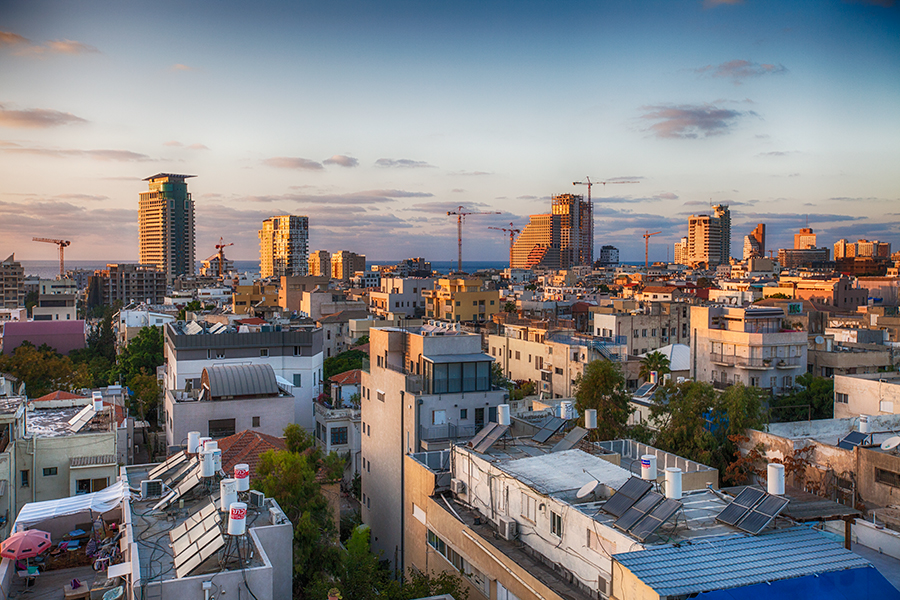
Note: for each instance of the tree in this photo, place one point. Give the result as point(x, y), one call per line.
point(654, 361)
point(142, 354)
point(509, 307)
point(780, 296)
point(145, 390)
point(297, 438)
point(602, 387)
point(814, 400)
point(43, 370)
point(345, 361)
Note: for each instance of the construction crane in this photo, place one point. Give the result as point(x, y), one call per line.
point(587, 181)
point(62, 245)
point(647, 236)
point(512, 238)
point(221, 248)
point(461, 213)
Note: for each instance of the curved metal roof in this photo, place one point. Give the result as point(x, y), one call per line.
point(239, 381)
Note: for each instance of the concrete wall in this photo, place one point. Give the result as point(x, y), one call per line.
point(872, 394)
point(275, 413)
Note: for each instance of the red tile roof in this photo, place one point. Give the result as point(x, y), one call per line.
point(246, 447)
point(251, 321)
point(351, 377)
point(60, 396)
point(362, 347)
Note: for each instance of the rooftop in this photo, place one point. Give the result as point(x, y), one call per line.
point(246, 447)
point(168, 176)
point(55, 422)
point(831, 431)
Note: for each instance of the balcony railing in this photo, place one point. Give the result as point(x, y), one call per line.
point(447, 431)
point(783, 362)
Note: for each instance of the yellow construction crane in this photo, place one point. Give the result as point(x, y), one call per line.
point(587, 181)
point(647, 236)
point(461, 213)
point(512, 238)
point(62, 245)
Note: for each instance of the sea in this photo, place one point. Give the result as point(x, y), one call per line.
point(49, 269)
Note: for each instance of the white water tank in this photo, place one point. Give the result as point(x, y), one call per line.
point(217, 459)
point(648, 467)
point(237, 518)
point(776, 479)
point(228, 493)
point(566, 410)
point(193, 442)
point(864, 424)
point(503, 414)
point(673, 483)
point(97, 401)
point(210, 445)
point(202, 442)
point(207, 466)
point(242, 476)
point(590, 418)
point(654, 376)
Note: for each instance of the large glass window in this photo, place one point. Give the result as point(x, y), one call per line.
point(449, 378)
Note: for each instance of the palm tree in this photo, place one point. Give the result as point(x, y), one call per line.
point(654, 361)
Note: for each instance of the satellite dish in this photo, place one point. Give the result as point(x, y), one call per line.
point(888, 444)
point(589, 487)
point(820, 339)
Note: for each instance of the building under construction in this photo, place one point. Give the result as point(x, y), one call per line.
point(559, 240)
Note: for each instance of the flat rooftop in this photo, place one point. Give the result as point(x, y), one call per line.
point(54, 422)
point(831, 431)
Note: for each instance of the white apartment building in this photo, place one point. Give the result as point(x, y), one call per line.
point(646, 327)
point(340, 430)
point(749, 346)
point(866, 394)
point(400, 296)
point(423, 387)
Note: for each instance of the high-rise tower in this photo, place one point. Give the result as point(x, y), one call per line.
point(166, 225)
point(722, 213)
point(284, 246)
point(576, 217)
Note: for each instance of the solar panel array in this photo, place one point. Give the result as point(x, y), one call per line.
point(81, 419)
point(752, 510)
point(572, 439)
point(492, 436)
point(626, 496)
point(196, 539)
point(482, 434)
point(852, 440)
point(176, 459)
point(186, 485)
point(640, 511)
point(549, 428)
point(654, 520)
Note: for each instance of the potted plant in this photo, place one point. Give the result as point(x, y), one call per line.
point(334, 594)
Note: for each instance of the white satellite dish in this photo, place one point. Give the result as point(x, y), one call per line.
point(587, 489)
point(820, 339)
point(890, 443)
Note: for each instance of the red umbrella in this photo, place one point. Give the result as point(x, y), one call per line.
point(25, 544)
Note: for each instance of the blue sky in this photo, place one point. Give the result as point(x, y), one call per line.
point(376, 118)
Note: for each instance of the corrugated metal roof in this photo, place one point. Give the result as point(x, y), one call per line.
point(241, 380)
point(738, 560)
point(92, 461)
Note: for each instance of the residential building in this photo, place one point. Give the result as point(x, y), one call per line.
point(755, 243)
point(336, 336)
point(681, 254)
point(366, 279)
point(318, 302)
point(290, 292)
point(835, 357)
point(609, 256)
point(126, 283)
point(131, 321)
point(461, 300)
point(722, 213)
point(63, 336)
point(422, 387)
point(166, 225)
point(751, 346)
point(866, 394)
point(284, 246)
point(539, 244)
point(56, 301)
point(805, 240)
point(704, 241)
point(576, 223)
point(338, 429)
point(844, 249)
point(644, 327)
point(295, 355)
point(841, 292)
point(246, 447)
point(400, 296)
point(257, 295)
point(344, 264)
point(209, 267)
point(230, 398)
point(320, 263)
point(873, 248)
point(12, 287)
point(794, 258)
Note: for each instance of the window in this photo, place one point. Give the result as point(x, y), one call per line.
point(652, 333)
point(23, 478)
point(298, 351)
point(220, 353)
point(474, 303)
point(558, 370)
point(457, 303)
point(298, 380)
point(219, 428)
point(556, 527)
point(492, 302)
point(463, 414)
point(887, 477)
point(841, 398)
point(263, 351)
point(255, 422)
point(48, 471)
point(643, 333)
point(518, 355)
point(338, 436)
point(637, 333)
point(380, 395)
point(87, 486)
point(529, 507)
point(438, 417)
point(788, 381)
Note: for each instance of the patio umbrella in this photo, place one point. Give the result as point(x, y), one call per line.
point(25, 544)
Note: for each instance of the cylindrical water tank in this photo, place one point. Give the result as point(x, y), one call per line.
point(864, 423)
point(217, 459)
point(202, 441)
point(654, 376)
point(97, 400)
point(648, 467)
point(207, 466)
point(193, 442)
point(673, 483)
point(590, 418)
point(503, 414)
point(210, 445)
point(228, 493)
point(242, 475)
point(237, 518)
point(566, 409)
point(776, 479)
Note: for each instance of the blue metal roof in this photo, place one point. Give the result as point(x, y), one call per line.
point(848, 584)
point(738, 560)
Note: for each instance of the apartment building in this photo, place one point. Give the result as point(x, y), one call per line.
point(840, 292)
point(398, 296)
point(609, 256)
point(461, 300)
point(12, 285)
point(644, 327)
point(794, 258)
point(131, 321)
point(538, 245)
point(56, 300)
point(320, 302)
point(166, 225)
point(709, 238)
point(336, 337)
point(295, 355)
point(805, 240)
point(576, 227)
point(126, 283)
point(866, 394)
point(338, 429)
point(751, 346)
point(345, 263)
point(284, 246)
point(254, 296)
point(320, 263)
point(421, 388)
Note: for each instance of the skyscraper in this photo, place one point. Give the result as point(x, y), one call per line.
point(755, 243)
point(609, 256)
point(576, 244)
point(538, 244)
point(166, 225)
point(345, 263)
point(704, 241)
point(804, 240)
point(284, 246)
point(722, 213)
point(682, 255)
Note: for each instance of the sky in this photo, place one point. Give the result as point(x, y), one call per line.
point(376, 118)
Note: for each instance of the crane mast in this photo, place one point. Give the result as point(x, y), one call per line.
point(512, 238)
point(587, 181)
point(647, 236)
point(460, 213)
point(221, 248)
point(62, 252)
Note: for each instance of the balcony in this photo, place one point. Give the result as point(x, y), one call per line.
point(742, 362)
point(447, 431)
point(787, 362)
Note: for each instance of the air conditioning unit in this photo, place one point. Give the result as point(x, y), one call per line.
point(507, 528)
point(151, 488)
point(257, 499)
point(458, 486)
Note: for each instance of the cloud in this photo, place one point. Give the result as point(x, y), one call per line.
point(36, 118)
point(198, 147)
point(82, 197)
point(341, 160)
point(470, 173)
point(369, 197)
point(667, 196)
point(458, 191)
point(287, 162)
point(181, 67)
point(398, 194)
point(173, 144)
point(777, 153)
point(8, 38)
point(69, 47)
point(738, 70)
point(526, 197)
point(120, 155)
point(403, 163)
point(444, 207)
point(25, 46)
point(687, 121)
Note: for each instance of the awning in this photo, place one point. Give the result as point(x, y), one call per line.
point(849, 584)
point(97, 502)
point(458, 358)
